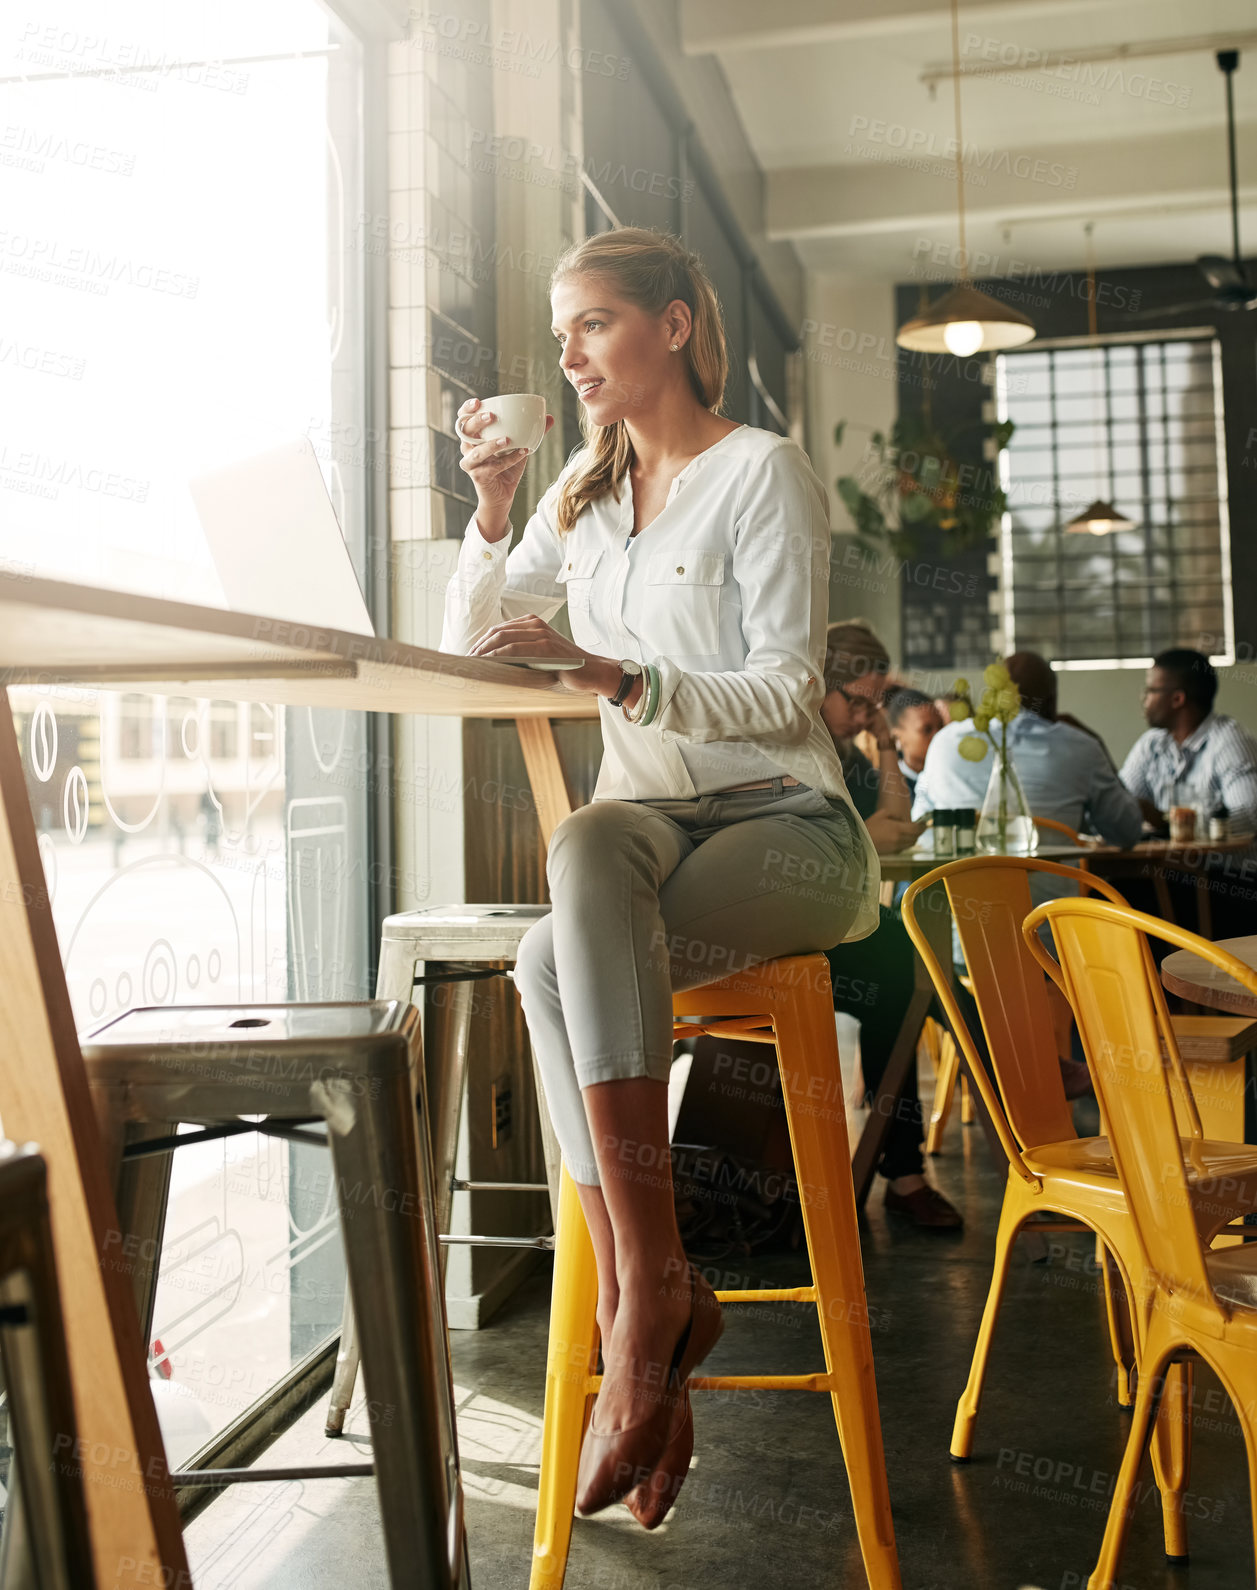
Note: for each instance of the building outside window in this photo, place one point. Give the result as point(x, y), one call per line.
point(187, 182)
point(1137, 424)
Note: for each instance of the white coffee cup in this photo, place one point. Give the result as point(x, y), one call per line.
point(519, 415)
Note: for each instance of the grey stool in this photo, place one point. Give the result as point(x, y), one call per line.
point(453, 944)
point(45, 1524)
point(357, 1067)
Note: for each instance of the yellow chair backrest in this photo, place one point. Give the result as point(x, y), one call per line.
point(1112, 983)
point(989, 898)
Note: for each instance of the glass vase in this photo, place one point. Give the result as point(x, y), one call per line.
point(1005, 826)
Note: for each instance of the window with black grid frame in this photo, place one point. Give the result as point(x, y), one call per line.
point(1137, 424)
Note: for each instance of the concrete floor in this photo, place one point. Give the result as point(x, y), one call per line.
point(766, 1503)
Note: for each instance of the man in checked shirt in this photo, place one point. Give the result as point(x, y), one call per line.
point(1193, 756)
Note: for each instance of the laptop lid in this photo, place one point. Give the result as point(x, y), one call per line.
point(275, 540)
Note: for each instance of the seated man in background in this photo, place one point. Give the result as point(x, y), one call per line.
point(1194, 756)
point(873, 978)
point(1065, 772)
point(914, 721)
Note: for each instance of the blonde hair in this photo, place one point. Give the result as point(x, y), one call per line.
point(650, 269)
point(851, 651)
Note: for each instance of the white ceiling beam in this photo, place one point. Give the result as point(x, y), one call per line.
point(709, 26)
point(871, 197)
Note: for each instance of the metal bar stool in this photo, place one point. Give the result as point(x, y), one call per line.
point(788, 1003)
point(454, 944)
point(357, 1067)
point(45, 1521)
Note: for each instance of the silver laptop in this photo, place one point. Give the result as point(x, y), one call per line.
point(275, 541)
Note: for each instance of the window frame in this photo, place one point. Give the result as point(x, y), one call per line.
point(1004, 365)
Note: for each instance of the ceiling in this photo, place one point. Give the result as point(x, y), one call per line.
point(1109, 111)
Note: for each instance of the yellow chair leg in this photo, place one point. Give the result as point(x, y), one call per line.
point(1011, 1216)
point(1117, 1312)
point(1172, 1455)
point(819, 1139)
point(1147, 1399)
point(570, 1361)
point(967, 1113)
point(947, 1062)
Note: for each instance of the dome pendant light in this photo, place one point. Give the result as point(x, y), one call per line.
point(965, 321)
point(1101, 518)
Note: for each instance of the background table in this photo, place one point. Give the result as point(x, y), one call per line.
point(1191, 977)
point(1154, 858)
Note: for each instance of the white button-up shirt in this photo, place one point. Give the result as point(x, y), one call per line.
point(726, 593)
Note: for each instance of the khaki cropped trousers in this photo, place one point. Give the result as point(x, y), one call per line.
point(654, 895)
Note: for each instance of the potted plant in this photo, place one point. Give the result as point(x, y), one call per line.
point(911, 481)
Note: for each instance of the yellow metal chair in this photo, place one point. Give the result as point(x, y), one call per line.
point(1192, 1303)
point(1051, 1169)
point(941, 1051)
point(941, 1047)
point(788, 1003)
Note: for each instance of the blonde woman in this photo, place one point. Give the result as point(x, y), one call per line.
point(693, 556)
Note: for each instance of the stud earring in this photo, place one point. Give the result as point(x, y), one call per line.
point(675, 346)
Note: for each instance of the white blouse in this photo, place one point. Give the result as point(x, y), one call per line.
point(726, 592)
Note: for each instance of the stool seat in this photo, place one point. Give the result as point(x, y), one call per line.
point(463, 932)
point(787, 1002)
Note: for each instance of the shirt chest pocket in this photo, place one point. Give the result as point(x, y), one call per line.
point(683, 595)
point(576, 576)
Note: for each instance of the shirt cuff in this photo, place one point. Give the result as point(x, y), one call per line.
point(478, 550)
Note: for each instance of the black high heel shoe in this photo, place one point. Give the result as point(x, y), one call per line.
point(615, 1462)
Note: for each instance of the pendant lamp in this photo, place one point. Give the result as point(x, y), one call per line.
point(965, 320)
point(1101, 518)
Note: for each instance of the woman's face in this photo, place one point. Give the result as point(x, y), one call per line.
point(617, 356)
point(849, 708)
point(914, 731)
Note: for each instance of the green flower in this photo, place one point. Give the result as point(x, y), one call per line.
point(973, 747)
point(981, 722)
point(1008, 704)
point(960, 690)
point(996, 676)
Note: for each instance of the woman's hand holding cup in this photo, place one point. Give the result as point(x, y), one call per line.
point(497, 436)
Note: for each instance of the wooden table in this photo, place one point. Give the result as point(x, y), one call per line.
point(1192, 977)
point(55, 633)
point(1153, 858)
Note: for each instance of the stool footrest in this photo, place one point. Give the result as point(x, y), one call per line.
point(822, 1380)
point(457, 1185)
point(451, 1241)
point(779, 1294)
point(218, 1479)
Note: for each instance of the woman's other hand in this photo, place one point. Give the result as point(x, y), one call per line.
point(890, 834)
point(531, 636)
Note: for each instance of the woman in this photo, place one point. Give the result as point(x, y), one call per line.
point(874, 982)
point(693, 555)
point(914, 720)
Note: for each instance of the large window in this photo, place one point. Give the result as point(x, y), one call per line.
point(1138, 425)
point(184, 287)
